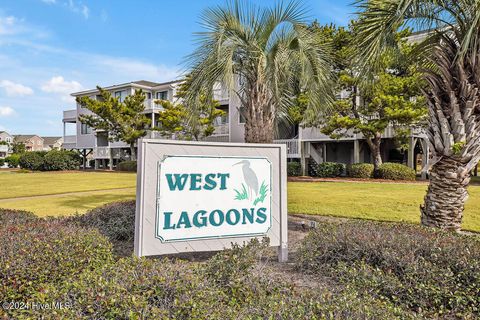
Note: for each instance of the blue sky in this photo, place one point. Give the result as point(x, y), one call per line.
point(51, 48)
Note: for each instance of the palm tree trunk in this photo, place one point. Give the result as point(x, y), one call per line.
point(260, 117)
point(258, 132)
point(446, 195)
point(453, 99)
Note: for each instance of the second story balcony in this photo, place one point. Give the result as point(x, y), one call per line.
point(70, 115)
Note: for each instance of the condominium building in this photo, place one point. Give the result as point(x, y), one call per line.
point(305, 144)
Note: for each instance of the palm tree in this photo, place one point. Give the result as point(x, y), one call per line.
point(261, 55)
point(450, 54)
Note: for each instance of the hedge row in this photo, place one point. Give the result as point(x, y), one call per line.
point(435, 274)
point(48, 260)
point(53, 160)
point(130, 166)
point(389, 171)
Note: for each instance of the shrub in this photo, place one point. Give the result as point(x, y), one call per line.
point(360, 170)
point(130, 166)
point(61, 160)
point(436, 274)
point(2, 162)
point(13, 160)
point(15, 217)
point(164, 289)
point(395, 171)
point(293, 169)
point(40, 253)
point(32, 160)
point(116, 221)
point(330, 169)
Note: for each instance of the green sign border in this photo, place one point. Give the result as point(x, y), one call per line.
point(159, 165)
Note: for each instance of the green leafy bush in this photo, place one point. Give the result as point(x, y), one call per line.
point(360, 170)
point(330, 169)
point(32, 160)
point(13, 160)
point(293, 169)
point(116, 221)
point(42, 253)
point(232, 285)
point(435, 274)
point(2, 162)
point(15, 217)
point(130, 166)
point(395, 171)
point(56, 160)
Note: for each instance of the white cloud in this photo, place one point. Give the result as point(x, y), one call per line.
point(136, 69)
point(6, 111)
point(13, 89)
point(78, 7)
point(60, 86)
point(7, 25)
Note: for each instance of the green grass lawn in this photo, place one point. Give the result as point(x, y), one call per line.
point(45, 183)
point(374, 201)
point(50, 194)
point(65, 193)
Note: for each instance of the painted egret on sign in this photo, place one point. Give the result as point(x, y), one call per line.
point(250, 177)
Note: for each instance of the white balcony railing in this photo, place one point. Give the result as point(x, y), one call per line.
point(101, 152)
point(293, 147)
point(3, 148)
point(217, 138)
point(220, 94)
point(69, 139)
point(221, 129)
point(70, 114)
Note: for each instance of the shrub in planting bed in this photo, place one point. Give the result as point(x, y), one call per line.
point(395, 171)
point(434, 274)
point(43, 253)
point(130, 166)
point(293, 169)
point(13, 160)
point(53, 160)
point(15, 217)
point(360, 170)
point(116, 221)
point(56, 160)
point(330, 169)
point(32, 160)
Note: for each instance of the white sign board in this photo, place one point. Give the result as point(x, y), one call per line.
point(205, 196)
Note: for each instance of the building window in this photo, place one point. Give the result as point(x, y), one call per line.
point(85, 129)
point(148, 95)
point(162, 95)
point(121, 95)
point(241, 117)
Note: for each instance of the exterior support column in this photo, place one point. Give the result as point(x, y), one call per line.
point(84, 156)
point(356, 151)
point(411, 153)
point(303, 157)
point(425, 158)
point(153, 120)
point(110, 162)
point(324, 147)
